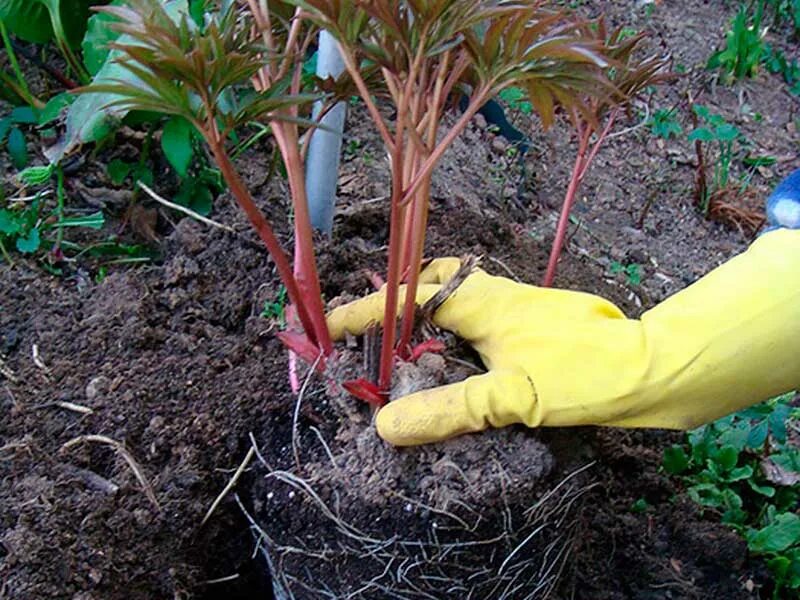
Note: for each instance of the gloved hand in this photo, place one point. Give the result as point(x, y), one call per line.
point(561, 358)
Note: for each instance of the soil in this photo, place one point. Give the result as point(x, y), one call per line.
point(173, 362)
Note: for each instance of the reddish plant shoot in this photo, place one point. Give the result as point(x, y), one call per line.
point(418, 56)
point(195, 72)
point(627, 76)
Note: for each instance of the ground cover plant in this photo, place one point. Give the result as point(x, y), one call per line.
point(746, 469)
point(177, 360)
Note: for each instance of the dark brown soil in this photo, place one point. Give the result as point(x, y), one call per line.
point(174, 362)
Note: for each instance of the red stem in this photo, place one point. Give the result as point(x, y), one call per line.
point(305, 267)
point(417, 247)
point(566, 207)
point(262, 227)
point(395, 255)
point(478, 100)
point(582, 163)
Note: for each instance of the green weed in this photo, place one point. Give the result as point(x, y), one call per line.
point(743, 45)
point(276, 309)
point(744, 469)
point(786, 11)
point(726, 138)
point(776, 62)
point(632, 272)
point(516, 99)
point(664, 124)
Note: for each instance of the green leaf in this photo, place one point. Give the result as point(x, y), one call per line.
point(93, 221)
point(197, 9)
point(92, 116)
point(118, 170)
point(764, 490)
point(196, 195)
point(727, 133)
point(758, 435)
point(30, 243)
point(5, 126)
point(703, 134)
point(739, 473)
point(54, 106)
point(144, 174)
point(27, 19)
point(24, 115)
point(777, 421)
point(202, 201)
point(33, 20)
point(9, 225)
point(701, 111)
point(736, 435)
point(36, 175)
point(707, 494)
point(759, 161)
point(640, 506)
point(98, 35)
point(675, 460)
point(776, 537)
point(726, 457)
point(176, 142)
point(17, 148)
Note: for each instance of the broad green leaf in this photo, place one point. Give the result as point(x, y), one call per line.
point(726, 457)
point(144, 174)
point(740, 473)
point(17, 148)
point(54, 106)
point(703, 134)
point(27, 19)
point(24, 115)
point(98, 35)
point(701, 111)
point(777, 421)
point(118, 170)
point(33, 20)
point(29, 243)
point(788, 459)
point(707, 494)
point(197, 9)
point(777, 536)
point(9, 225)
point(764, 490)
point(176, 142)
point(195, 195)
point(91, 118)
point(675, 460)
point(727, 133)
point(203, 201)
point(736, 435)
point(758, 434)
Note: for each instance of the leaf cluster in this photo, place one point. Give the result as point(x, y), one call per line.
point(745, 468)
point(743, 45)
point(182, 69)
point(490, 44)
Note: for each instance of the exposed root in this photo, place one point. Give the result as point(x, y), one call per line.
point(739, 210)
point(521, 558)
point(124, 453)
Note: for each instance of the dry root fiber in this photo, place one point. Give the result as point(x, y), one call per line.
point(480, 517)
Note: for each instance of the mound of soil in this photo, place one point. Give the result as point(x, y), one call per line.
point(172, 364)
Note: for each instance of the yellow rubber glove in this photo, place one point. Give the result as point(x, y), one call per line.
point(561, 358)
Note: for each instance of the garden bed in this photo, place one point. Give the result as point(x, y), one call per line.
point(174, 361)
